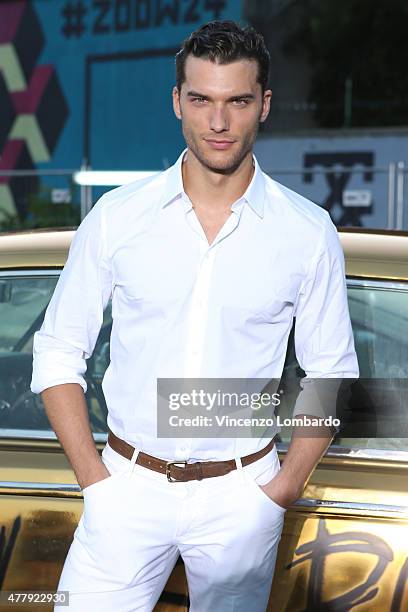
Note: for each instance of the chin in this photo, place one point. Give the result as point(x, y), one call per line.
point(220, 161)
point(225, 165)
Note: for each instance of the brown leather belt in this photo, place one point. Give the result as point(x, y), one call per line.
point(190, 471)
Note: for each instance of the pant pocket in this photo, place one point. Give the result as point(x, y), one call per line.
point(266, 476)
point(100, 484)
point(107, 496)
point(106, 521)
point(113, 460)
point(116, 466)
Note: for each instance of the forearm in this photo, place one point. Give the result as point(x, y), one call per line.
point(303, 454)
point(67, 412)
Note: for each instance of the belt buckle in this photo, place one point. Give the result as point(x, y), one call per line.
point(168, 464)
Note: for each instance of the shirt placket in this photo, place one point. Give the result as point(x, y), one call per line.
point(198, 314)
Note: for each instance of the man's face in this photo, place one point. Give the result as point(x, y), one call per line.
point(220, 107)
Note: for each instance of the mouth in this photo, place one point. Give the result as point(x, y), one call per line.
point(219, 144)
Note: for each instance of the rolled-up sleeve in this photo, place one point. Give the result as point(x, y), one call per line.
point(324, 342)
point(74, 315)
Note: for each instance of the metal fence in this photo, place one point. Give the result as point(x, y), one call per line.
point(367, 196)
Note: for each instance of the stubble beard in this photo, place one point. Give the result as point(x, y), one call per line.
point(230, 161)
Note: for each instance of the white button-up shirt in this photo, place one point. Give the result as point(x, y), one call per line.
point(184, 308)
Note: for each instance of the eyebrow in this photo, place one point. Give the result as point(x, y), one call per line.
point(196, 94)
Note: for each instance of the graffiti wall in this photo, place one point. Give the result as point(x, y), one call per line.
point(90, 81)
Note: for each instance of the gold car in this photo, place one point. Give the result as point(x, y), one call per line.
point(344, 545)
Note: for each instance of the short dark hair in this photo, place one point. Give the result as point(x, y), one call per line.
point(224, 42)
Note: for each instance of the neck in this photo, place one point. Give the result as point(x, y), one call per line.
point(211, 190)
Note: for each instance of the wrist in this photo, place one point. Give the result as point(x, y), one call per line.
point(91, 475)
point(283, 490)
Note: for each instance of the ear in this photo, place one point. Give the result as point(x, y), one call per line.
point(176, 102)
point(266, 105)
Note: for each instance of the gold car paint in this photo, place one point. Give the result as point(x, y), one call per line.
point(344, 544)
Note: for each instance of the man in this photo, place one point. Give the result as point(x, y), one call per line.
point(207, 263)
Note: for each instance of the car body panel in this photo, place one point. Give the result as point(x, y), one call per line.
point(345, 541)
point(369, 253)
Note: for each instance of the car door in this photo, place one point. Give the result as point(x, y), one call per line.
point(40, 501)
point(344, 544)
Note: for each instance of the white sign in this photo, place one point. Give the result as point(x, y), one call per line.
point(61, 196)
point(357, 197)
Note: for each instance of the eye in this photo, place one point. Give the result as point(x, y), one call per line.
point(240, 102)
point(199, 100)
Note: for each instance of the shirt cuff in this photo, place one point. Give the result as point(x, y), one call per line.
point(53, 369)
point(323, 398)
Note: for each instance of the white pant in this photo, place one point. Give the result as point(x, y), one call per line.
point(135, 524)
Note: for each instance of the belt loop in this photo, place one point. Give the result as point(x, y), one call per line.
point(133, 460)
point(242, 474)
point(239, 463)
point(240, 470)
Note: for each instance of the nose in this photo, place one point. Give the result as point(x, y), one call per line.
point(219, 121)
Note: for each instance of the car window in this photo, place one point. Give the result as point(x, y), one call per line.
point(23, 302)
point(375, 415)
point(379, 316)
point(379, 319)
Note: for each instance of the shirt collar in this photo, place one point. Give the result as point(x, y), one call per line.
point(254, 193)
